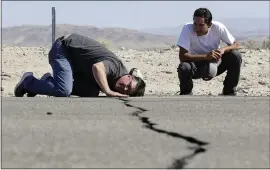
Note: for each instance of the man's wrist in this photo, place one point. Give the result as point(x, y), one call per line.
point(205, 57)
point(225, 49)
point(228, 48)
point(108, 91)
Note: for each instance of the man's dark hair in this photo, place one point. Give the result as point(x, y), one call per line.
point(204, 13)
point(140, 87)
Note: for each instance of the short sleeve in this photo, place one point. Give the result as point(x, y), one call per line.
point(110, 67)
point(184, 38)
point(226, 36)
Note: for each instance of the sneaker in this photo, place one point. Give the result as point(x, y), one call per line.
point(229, 93)
point(19, 88)
point(186, 93)
point(44, 77)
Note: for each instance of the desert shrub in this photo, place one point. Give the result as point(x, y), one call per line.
point(173, 46)
point(105, 43)
point(266, 44)
point(252, 44)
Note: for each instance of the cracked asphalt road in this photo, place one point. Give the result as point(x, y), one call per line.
point(149, 132)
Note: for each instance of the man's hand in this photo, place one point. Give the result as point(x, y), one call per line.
point(115, 94)
point(221, 51)
point(214, 55)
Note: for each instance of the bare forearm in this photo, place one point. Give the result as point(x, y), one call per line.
point(191, 57)
point(99, 73)
point(234, 46)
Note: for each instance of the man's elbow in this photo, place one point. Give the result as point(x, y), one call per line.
point(94, 67)
point(182, 58)
point(183, 54)
point(236, 45)
point(97, 66)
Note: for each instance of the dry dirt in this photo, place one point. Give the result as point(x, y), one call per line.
point(159, 68)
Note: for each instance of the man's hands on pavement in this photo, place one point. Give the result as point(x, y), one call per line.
point(115, 94)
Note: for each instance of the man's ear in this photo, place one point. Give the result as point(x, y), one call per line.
point(209, 25)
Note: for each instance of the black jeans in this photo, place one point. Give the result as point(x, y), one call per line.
point(231, 62)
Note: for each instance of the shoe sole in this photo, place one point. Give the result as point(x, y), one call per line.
point(25, 75)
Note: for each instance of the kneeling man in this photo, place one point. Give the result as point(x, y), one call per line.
point(82, 67)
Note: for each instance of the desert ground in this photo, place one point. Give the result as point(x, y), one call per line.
point(159, 68)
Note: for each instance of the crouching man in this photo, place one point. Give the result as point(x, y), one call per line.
point(82, 67)
point(201, 56)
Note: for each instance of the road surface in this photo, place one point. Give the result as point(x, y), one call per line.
point(148, 132)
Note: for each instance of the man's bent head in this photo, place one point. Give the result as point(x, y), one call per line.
point(130, 85)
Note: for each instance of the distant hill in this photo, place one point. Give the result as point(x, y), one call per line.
point(36, 35)
point(241, 28)
point(33, 35)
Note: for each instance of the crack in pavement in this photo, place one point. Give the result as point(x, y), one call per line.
point(178, 163)
point(182, 162)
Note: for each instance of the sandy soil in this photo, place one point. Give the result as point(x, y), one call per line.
point(159, 68)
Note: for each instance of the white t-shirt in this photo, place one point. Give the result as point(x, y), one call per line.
point(194, 44)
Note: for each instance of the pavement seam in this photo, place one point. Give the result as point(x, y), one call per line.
point(178, 163)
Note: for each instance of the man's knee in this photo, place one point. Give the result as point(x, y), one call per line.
point(185, 74)
point(235, 57)
point(184, 67)
point(63, 91)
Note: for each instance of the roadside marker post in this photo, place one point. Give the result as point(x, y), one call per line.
point(53, 25)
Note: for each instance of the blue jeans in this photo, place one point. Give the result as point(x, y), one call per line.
point(61, 84)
